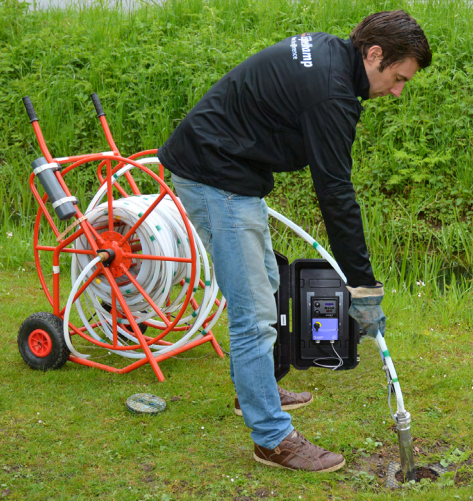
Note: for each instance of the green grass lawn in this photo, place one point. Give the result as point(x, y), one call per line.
point(66, 434)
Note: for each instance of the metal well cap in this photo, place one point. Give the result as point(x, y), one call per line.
point(145, 403)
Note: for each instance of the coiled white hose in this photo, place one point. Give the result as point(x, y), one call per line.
point(162, 233)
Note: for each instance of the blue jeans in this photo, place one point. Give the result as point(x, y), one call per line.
point(234, 230)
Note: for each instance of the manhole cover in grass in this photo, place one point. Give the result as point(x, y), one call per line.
point(145, 403)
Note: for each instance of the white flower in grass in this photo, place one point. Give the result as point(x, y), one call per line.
point(9, 234)
point(394, 291)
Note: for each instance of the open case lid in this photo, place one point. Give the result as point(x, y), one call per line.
point(282, 346)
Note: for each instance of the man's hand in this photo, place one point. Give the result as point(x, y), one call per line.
point(366, 308)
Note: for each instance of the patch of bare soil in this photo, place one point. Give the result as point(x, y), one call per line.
point(421, 472)
point(262, 493)
point(377, 463)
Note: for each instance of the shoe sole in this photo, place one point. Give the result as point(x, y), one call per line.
point(276, 465)
point(283, 407)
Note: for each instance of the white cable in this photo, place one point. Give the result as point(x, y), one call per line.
point(75, 286)
point(332, 367)
point(385, 355)
point(162, 233)
point(310, 240)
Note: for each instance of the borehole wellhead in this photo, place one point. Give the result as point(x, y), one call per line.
point(406, 447)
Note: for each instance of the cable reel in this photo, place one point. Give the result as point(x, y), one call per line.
point(161, 234)
point(139, 272)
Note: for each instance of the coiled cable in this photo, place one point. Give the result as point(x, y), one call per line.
point(162, 233)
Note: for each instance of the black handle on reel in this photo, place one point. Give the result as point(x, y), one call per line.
point(30, 109)
point(97, 104)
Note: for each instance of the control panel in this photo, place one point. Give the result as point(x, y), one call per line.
point(324, 318)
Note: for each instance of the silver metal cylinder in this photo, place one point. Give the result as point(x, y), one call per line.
point(406, 447)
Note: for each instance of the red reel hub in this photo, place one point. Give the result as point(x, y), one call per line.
point(113, 240)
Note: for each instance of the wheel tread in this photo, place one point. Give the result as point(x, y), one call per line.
point(53, 322)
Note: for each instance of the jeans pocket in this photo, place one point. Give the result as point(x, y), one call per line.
point(177, 180)
point(191, 194)
point(203, 230)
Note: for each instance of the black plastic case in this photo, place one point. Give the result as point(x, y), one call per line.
point(299, 282)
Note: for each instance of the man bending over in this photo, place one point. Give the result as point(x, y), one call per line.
point(292, 104)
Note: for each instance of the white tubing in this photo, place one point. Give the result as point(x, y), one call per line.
point(75, 287)
point(311, 241)
point(162, 233)
point(385, 355)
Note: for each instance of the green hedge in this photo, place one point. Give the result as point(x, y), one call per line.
point(150, 65)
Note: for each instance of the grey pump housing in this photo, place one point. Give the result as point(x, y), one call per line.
point(63, 205)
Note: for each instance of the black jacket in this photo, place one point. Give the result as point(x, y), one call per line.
point(292, 104)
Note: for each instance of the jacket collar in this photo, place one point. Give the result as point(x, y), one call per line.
point(361, 84)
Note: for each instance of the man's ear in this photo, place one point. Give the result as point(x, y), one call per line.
point(375, 55)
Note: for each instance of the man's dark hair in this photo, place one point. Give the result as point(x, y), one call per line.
point(398, 35)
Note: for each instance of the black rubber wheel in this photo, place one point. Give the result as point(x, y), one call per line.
point(41, 342)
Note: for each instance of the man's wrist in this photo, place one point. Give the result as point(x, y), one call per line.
point(366, 290)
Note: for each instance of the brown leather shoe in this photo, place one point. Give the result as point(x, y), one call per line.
point(296, 453)
point(289, 400)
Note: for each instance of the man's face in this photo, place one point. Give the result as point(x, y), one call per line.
point(392, 79)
